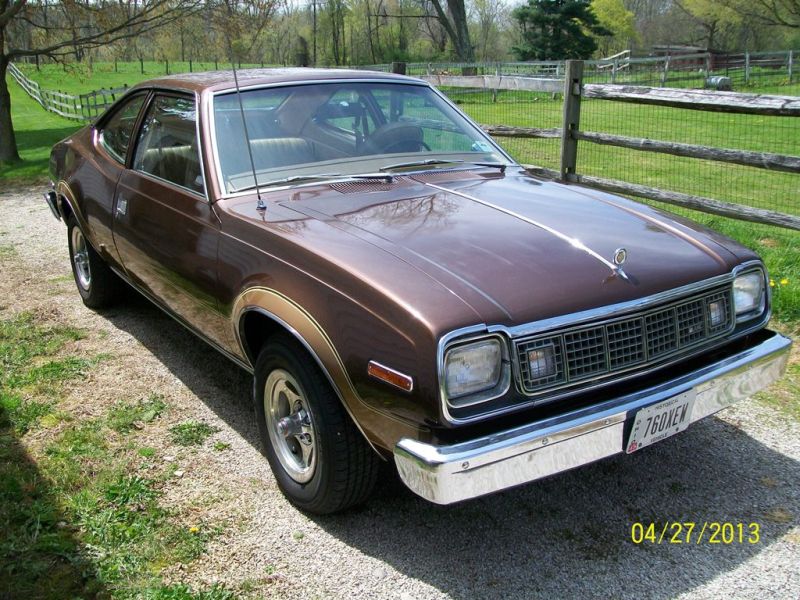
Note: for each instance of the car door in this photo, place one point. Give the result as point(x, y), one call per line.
point(165, 229)
point(98, 178)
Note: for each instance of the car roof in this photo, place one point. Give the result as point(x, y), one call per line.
point(224, 80)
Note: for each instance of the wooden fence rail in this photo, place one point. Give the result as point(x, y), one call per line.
point(83, 107)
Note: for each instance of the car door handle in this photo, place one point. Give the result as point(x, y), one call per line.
point(122, 206)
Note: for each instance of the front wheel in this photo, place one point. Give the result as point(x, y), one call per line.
point(97, 284)
point(320, 460)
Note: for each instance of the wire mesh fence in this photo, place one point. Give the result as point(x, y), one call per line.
point(748, 186)
point(743, 185)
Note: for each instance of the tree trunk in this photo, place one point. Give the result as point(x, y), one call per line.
point(457, 30)
point(464, 47)
point(8, 142)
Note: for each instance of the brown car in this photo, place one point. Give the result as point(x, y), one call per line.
point(400, 288)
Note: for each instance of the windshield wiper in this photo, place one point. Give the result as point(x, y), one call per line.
point(438, 161)
point(492, 165)
point(305, 178)
point(420, 163)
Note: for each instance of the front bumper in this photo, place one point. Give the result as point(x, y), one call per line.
point(447, 474)
point(52, 201)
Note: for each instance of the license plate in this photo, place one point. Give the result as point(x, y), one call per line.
point(661, 420)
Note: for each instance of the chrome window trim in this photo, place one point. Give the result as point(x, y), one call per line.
point(209, 108)
point(584, 317)
point(204, 195)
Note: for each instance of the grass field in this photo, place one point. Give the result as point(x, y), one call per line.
point(36, 131)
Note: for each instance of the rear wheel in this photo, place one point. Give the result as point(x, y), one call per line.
point(97, 284)
point(320, 460)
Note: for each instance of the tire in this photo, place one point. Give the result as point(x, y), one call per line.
point(320, 460)
point(97, 284)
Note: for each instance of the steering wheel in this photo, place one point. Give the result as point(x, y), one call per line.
point(396, 137)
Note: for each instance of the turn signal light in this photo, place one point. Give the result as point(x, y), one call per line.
point(390, 376)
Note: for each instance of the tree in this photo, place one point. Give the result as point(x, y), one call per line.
point(454, 21)
point(614, 17)
point(713, 18)
point(782, 13)
point(71, 27)
point(557, 30)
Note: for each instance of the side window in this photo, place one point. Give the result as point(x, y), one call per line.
point(117, 133)
point(167, 144)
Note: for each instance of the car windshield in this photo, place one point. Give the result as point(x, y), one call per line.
point(312, 131)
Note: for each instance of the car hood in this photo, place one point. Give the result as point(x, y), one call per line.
point(514, 248)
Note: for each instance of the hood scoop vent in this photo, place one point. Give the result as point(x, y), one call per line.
point(360, 187)
point(446, 175)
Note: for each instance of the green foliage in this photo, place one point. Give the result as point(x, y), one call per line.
point(557, 30)
point(618, 21)
point(191, 433)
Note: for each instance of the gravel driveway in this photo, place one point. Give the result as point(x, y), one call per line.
point(567, 536)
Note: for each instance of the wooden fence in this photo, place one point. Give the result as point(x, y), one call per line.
point(83, 107)
point(574, 89)
point(678, 69)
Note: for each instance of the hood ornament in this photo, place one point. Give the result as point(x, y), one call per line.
point(620, 256)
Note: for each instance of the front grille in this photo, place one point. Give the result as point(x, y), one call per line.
point(630, 342)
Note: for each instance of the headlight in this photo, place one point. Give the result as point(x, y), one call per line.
point(749, 298)
point(473, 368)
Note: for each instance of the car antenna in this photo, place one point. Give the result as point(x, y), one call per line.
point(260, 205)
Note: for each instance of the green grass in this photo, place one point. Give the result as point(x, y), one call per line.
point(83, 518)
point(126, 416)
point(191, 433)
point(36, 131)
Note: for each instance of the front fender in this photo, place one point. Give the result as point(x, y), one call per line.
point(379, 428)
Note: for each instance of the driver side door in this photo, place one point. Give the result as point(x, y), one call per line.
point(165, 228)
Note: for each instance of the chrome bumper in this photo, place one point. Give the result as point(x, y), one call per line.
point(447, 474)
point(52, 202)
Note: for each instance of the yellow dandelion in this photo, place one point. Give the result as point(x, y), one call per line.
point(784, 281)
point(194, 529)
point(771, 283)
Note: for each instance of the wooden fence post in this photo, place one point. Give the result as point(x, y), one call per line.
point(141, 65)
point(614, 68)
point(665, 71)
point(573, 85)
point(746, 67)
point(790, 64)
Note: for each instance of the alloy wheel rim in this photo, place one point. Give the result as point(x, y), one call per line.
point(290, 427)
point(80, 256)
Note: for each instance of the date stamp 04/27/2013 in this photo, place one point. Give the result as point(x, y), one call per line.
point(691, 532)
